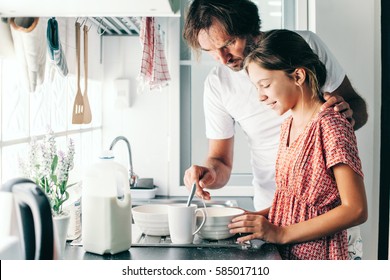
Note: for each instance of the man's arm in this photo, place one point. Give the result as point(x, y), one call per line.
point(216, 171)
point(357, 105)
point(220, 158)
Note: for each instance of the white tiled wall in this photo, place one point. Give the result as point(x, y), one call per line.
point(145, 122)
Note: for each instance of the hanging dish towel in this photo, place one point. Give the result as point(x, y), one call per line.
point(28, 35)
point(54, 46)
point(6, 45)
point(154, 68)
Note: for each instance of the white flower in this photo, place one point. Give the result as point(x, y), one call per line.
point(50, 168)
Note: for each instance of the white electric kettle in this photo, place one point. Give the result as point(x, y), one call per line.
point(26, 225)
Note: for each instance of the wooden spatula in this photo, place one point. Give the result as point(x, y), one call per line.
point(87, 109)
point(78, 105)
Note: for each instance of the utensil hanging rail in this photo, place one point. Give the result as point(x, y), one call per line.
point(116, 26)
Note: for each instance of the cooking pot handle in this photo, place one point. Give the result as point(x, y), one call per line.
point(34, 217)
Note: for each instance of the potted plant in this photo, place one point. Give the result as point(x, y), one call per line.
point(49, 168)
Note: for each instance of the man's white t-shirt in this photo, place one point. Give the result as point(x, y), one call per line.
point(230, 98)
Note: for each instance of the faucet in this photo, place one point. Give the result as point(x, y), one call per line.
point(133, 178)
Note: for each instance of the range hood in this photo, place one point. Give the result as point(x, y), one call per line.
point(89, 8)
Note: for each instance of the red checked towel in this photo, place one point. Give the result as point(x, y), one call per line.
point(154, 69)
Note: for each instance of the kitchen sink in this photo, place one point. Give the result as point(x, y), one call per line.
point(198, 202)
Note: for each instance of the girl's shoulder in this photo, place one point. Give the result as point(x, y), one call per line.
point(338, 140)
point(331, 117)
point(334, 127)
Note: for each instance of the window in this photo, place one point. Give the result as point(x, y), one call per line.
point(25, 115)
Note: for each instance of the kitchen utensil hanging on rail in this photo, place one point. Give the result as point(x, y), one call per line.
point(87, 109)
point(78, 105)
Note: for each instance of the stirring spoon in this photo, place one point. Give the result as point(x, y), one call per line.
point(191, 194)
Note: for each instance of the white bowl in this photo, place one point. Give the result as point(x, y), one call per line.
point(217, 220)
point(152, 219)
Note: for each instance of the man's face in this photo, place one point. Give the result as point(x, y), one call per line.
point(228, 50)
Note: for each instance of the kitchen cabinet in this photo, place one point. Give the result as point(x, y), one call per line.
point(75, 8)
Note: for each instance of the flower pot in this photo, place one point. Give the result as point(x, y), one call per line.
point(61, 224)
point(74, 228)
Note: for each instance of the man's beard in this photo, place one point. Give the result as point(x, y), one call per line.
point(249, 46)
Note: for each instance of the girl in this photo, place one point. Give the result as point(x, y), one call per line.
point(319, 180)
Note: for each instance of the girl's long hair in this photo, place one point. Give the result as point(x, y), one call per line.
point(286, 51)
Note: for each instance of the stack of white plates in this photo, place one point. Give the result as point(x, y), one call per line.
point(217, 220)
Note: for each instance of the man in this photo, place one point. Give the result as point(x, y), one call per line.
point(227, 30)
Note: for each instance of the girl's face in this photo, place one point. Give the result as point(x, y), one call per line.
point(277, 90)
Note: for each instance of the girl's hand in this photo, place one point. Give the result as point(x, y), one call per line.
point(257, 226)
